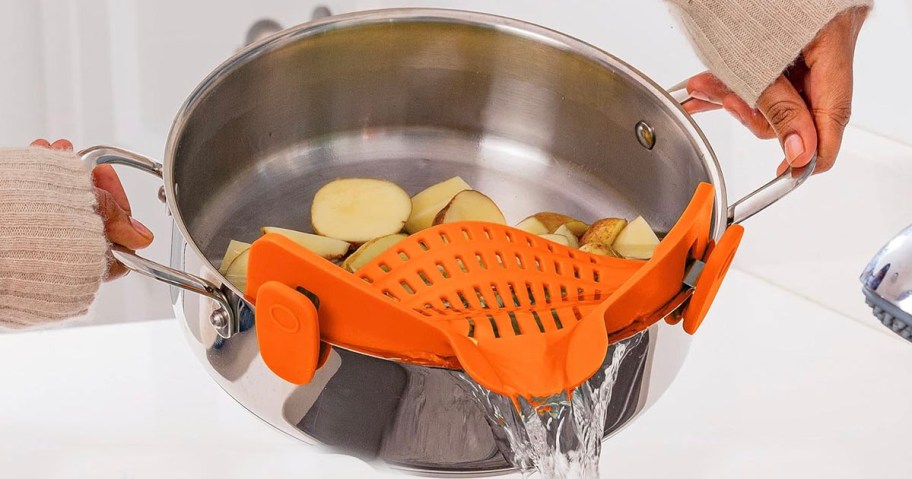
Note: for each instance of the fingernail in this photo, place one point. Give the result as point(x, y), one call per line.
point(794, 147)
point(737, 115)
point(699, 95)
point(140, 228)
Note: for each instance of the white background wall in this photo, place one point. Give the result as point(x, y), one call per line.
point(116, 71)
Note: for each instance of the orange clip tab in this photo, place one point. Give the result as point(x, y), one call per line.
point(632, 307)
point(717, 264)
point(288, 331)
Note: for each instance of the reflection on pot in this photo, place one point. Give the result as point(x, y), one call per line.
point(420, 417)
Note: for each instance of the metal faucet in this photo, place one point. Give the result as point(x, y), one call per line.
point(887, 282)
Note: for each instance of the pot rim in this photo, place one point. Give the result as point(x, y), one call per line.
point(501, 24)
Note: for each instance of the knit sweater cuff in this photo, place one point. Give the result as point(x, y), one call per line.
point(747, 45)
point(53, 251)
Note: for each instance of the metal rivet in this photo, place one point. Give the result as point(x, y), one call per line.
point(261, 29)
point(219, 318)
point(645, 135)
point(319, 12)
point(161, 195)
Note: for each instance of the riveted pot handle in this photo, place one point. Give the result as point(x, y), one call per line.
point(766, 195)
point(224, 319)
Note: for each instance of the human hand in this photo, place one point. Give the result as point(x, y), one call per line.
point(807, 107)
point(120, 227)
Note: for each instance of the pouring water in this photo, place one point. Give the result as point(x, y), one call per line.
point(558, 436)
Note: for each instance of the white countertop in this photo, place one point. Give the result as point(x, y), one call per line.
point(775, 386)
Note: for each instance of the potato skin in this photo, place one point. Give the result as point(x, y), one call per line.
point(385, 242)
point(599, 250)
point(465, 197)
point(424, 203)
point(604, 231)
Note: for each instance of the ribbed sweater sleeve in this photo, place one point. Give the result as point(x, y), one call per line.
point(52, 242)
point(748, 44)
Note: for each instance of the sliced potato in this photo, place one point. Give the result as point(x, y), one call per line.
point(235, 248)
point(599, 249)
point(532, 225)
point(429, 202)
point(236, 273)
point(470, 205)
point(577, 227)
point(604, 231)
point(571, 238)
point(328, 248)
point(559, 239)
point(358, 210)
point(370, 250)
point(552, 221)
point(637, 240)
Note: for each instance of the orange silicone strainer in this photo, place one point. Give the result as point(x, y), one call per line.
point(520, 314)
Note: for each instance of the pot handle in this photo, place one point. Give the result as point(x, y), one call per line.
point(766, 195)
point(224, 318)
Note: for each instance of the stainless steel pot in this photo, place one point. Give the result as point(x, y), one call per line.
point(535, 119)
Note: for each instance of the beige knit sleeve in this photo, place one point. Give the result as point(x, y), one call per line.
point(52, 243)
point(747, 44)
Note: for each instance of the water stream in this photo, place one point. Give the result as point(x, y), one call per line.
point(560, 436)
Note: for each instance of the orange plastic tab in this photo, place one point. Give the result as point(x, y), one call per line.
point(353, 314)
point(717, 264)
point(634, 306)
point(288, 332)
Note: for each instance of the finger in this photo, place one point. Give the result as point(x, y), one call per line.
point(709, 90)
point(41, 143)
point(707, 87)
point(120, 228)
point(752, 118)
point(829, 91)
point(782, 168)
point(106, 178)
point(115, 271)
point(62, 145)
point(789, 116)
point(695, 105)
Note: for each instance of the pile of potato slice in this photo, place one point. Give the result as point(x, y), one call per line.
point(356, 219)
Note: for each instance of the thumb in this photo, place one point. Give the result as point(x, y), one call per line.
point(788, 114)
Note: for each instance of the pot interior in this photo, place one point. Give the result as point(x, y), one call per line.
point(536, 121)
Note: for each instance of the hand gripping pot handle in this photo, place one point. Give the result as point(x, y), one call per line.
point(766, 195)
point(224, 319)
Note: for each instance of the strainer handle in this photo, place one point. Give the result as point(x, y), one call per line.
point(223, 319)
point(766, 195)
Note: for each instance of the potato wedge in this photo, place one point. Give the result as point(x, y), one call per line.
point(236, 272)
point(552, 221)
point(577, 227)
point(599, 250)
point(329, 248)
point(604, 231)
point(235, 248)
point(470, 205)
point(571, 238)
point(532, 225)
point(559, 239)
point(357, 210)
point(427, 203)
point(370, 250)
point(637, 240)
